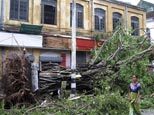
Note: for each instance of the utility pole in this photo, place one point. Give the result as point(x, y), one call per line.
point(73, 51)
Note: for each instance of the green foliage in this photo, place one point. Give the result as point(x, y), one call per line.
point(111, 104)
point(102, 36)
point(97, 37)
point(140, 69)
point(116, 78)
point(121, 47)
point(128, 45)
point(147, 103)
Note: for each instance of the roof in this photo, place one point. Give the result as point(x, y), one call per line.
point(145, 2)
point(124, 4)
point(146, 5)
point(150, 15)
point(20, 40)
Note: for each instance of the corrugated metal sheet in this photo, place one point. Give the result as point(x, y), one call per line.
point(50, 59)
point(21, 40)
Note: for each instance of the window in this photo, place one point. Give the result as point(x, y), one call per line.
point(19, 9)
point(79, 15)
point(99, 19)
point(49, 12)
point(116, 19)
point(135, 25)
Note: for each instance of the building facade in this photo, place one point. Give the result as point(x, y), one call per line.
point(55, 15)
point(92, 17)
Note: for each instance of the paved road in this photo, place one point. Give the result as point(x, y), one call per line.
point(148, 112)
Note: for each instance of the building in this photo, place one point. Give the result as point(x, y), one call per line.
point(52, 20)
point(146, 5)
point(90, 15)
point(150, 25)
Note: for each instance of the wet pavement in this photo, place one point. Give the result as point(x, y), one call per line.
point(148, 112)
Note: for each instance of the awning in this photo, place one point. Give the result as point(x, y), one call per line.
point(20, 40)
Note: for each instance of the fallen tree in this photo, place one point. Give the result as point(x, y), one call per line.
point(121, 56)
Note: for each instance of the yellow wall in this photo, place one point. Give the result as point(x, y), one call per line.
point(63, 15)
point(6, 51)
point(36, 54)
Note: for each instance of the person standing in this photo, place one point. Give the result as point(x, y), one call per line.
point(134, 96)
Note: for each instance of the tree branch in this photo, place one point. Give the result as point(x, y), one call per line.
point(134, 57)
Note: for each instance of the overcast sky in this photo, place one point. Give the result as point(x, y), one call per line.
point(134, 2)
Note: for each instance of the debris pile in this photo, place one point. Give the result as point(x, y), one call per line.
point(49, 79)
point(52, 76)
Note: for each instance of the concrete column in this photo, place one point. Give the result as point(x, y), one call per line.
point(36, 14)
point(1, 14)
point(143, 23)
point(31, 10)
point(126, 17)
point(61, 12)
point(109, 21)
point(92, 15)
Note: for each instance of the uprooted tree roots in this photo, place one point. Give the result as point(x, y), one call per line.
point(16, 80)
